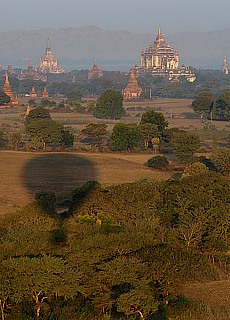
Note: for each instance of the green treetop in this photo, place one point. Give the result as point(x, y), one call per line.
point(109, 105)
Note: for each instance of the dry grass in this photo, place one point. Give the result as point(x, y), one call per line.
point(215, 295)
point(24, 173)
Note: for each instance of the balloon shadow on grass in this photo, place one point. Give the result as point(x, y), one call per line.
point(62, 174)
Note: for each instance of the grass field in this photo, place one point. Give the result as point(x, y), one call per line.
point(215, 295)
point(24, 173)
point(176, 107)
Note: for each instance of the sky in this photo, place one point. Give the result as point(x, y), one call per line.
point(137, 16)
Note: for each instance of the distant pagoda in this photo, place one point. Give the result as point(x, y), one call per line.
point(33, 93)
point(95, 71)
point(49, 63)
point(8, 91)
point(45, 93)
point(132, 90)
point(225, 68)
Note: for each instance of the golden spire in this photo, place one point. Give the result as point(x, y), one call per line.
point(159, 31)
point(7, 78)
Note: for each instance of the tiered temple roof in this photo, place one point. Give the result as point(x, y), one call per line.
point(45, 93)
point(95, 71)
point(33, 93)
point(160, 59)
point(132, 90)
point(8, 91)
point(49, 63)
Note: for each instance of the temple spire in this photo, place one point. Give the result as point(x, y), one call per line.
point(159, 31)
point(30, 63)
point(48, 43)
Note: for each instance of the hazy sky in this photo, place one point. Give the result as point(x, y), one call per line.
point(138, 16)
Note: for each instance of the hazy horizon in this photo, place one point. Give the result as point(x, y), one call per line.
point(130, 15)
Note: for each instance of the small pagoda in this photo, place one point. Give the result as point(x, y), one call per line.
point(8, 91)
point(33, 93)
point(95, 71)
point(45, 94)
point(132, 90)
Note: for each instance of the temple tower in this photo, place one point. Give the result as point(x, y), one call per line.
point(132, 90)
point(225, 68)
point(49, 63)
point(8, 91)
point(95, 71)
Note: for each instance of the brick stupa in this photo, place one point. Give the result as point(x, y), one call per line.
point(95, 71)
point(33, 93)
point(8, 91)
point(132, 90)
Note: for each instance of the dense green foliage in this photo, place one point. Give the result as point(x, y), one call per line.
point(119, 255)
point(109, 105)
point(221, 107)
point(155, 118)
point(96, 132)
point(186, 144)
point(39, 113)
point(158, 162)
point(125, 137)
point(4, 98)
point(195, 168)
point(203, 103)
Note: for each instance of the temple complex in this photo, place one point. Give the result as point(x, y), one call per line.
point(132, 90)
point(31, 73)
point(160, 59)
point(49, 63)
point(8, 91)
point(95, 71)
point(225, 68)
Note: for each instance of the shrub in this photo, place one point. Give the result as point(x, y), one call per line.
point(158, 162)
point(46, 200)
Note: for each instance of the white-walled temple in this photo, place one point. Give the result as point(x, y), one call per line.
point(49, 63)
point(161, 59)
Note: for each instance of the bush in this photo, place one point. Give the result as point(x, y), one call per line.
point(158, 162)
point(46, 200)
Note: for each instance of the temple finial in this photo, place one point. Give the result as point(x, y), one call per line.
point(159, 31)
point(48, 43)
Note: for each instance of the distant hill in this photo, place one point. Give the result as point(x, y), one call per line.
point(76, 48)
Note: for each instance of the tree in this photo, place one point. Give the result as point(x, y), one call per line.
point(46, 201)
point(109, 105)
point(125, 137)
point(15, 138)
point(203, 103)
point(67, 138)
point(4, 98)
point(77, 106)
point(185, 145)
point(221, 160)
point(47, 103)
point(96, 132)
point(73, 95)
point(156, 118)
point(221, 107)
point(195, 168)
point(41, 278)
point(149, 131)
point(158, 162)
point(37, 114)
point(1, 139)
point(46, 131)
